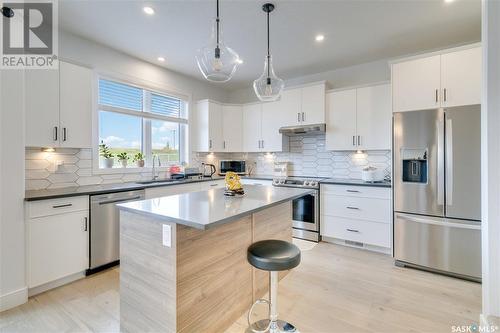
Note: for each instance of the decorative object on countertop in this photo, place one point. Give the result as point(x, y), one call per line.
point(268, 86)
point(233, 185)
point(139, 158)
point(107, 155)
point(123, 158)
point(372, 174)
point(217, 62)
point(208, 170)
point(280, 169)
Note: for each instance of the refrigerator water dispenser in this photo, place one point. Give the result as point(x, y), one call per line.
point(414, 165)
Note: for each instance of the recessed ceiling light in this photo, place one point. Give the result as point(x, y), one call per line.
point(448, 1)
point(320, 38)
point(161, 59)
point(148, 10)
point(239, 61)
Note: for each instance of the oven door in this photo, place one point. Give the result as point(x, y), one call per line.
point(305, 212)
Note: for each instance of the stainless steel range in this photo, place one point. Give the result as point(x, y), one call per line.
point(305, 209)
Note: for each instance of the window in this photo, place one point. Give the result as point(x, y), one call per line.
point(136, 120)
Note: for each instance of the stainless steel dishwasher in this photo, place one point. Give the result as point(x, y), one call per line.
point(105, 228)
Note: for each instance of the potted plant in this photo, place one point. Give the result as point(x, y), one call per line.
point(123, 158)
point(139, 158)
point(107, 155)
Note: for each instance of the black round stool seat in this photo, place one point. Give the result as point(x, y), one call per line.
point(273, 255)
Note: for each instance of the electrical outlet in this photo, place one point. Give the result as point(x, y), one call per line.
point(166, 235)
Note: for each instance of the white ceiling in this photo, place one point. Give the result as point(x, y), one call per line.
point(356, 31)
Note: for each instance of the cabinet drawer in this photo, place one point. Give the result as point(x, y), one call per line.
point(57, 206)
point(250, 181)
point(372, 209)
point(366, 232)
point(357, 191)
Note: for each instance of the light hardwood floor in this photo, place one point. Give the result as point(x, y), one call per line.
point(334, 289)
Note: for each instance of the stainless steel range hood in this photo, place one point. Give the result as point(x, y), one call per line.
point(303, 129)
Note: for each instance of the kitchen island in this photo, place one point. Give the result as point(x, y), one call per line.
point(183, 265)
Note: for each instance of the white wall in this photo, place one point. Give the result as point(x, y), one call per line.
point(491, 158)
point(371, 72)
point(13, 289)
point(102, 58)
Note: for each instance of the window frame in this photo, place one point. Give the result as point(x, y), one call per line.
point(152, 88)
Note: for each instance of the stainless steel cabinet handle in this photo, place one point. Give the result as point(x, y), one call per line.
point(55, 133)
point(210, 143)
point(352, 230)
point(262, 143)
point(352, 191)
point(64, 133)
point(350, 207)
point(303, 117)
point(214, 184)
point(224, 144)
point(444, 94)
point(63, 205)
point(437, 95)
point(353, 140)
point(359, 140)
point(298, 116)
point(119, 200)
point(85, 228)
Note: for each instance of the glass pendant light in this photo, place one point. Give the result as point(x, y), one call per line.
point(268, 86)
point(217, 62)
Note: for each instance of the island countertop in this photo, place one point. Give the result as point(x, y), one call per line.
point(206, 209)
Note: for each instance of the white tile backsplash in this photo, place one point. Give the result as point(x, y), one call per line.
point(307, 157)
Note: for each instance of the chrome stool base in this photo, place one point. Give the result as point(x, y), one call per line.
point(281, 327)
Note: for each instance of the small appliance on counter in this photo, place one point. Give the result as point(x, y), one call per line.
point(208, 170)
point(189, 173)
point(238, 167)
point(372, 174)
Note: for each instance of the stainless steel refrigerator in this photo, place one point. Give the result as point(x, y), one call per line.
point(437, 190)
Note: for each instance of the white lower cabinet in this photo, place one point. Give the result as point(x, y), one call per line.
point(57, 239)
point(356, 213)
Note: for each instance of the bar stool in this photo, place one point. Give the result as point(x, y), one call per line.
point(273, 256)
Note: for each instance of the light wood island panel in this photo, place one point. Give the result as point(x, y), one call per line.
point(203, 282)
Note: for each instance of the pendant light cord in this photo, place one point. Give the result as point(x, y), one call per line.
point(268, 54)
point(217, 20)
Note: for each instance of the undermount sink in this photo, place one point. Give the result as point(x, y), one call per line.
point(156, 181)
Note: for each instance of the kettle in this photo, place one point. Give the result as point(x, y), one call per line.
point(208, 170)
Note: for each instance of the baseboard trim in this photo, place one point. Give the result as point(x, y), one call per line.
point(488, 321)
point(13, 299)
point(55, 284)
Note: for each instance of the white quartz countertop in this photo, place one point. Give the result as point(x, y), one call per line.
point(206, 209)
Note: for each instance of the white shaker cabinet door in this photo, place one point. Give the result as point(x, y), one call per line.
point(416, 84)
point(215, 137)
point(374, 117)
point(272, 117)
point(75, 106)
point(58, 247)
point(461, 77)
point(290, 105)
point(252, 127)
point(232, 127)
point(341, 120)
point(42, 108)
point(313, 104)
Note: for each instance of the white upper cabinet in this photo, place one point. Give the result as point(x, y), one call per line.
point(207, 125)
point(452, 78)
point(290, 106)
point(359, 118)
point(374, 117)
point(313, 104)
point(42, 108)
point(75, 105)
point(252, 127)
point(416, 84)
point(232, 128)
point(341, 120)
point(461, 77)
point(272, 120)
point(59, 107)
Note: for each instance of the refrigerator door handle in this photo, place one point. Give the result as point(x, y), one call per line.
point(449, 162)
point(438, 222)
point(440, 162)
